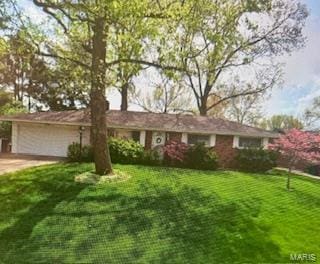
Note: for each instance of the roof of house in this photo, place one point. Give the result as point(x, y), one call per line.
point(146, 121)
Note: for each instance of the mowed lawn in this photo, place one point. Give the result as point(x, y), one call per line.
point(159, 215)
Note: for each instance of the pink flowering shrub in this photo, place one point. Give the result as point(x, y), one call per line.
point(298, 145)
point(174, 153)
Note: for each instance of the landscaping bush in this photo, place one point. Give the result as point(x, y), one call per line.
point(125, 151)
point(200, 157)
point(256, 159)
point(87, 153)
point(175, 153)
point(313, 170)
point(75, 155)
point(151, 158)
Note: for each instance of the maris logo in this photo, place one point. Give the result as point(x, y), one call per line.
point(303, 257)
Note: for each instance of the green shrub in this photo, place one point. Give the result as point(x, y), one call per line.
point(75, 155)
point(313, 170)
point(87, 153)
point(151, 158)
point(125, 151)
point(200, 157)
point(256, 160)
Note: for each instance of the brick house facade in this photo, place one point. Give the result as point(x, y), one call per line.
point(223, 147)
point(49, 133)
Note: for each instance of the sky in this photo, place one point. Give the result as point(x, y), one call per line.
point(301, 72)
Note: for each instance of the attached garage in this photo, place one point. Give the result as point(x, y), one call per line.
point(45, 139)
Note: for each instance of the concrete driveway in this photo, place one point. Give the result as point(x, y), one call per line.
point(11, 162)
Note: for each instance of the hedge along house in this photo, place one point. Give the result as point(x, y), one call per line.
point(50, 133)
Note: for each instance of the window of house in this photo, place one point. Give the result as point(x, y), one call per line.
point(194, 139)
point(135, 136)
point(249, 142)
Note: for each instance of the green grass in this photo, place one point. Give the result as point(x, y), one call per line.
point(158, 216)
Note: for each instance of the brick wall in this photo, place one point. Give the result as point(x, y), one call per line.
point(225, 151)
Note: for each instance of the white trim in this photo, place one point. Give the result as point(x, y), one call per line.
point(265, 143)
point(143, 138)
point(15, 137)
point(184, 138)
point(212, 141)
point(235, 142)
point(36, 122)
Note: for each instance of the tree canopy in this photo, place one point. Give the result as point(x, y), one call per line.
point(281, 122)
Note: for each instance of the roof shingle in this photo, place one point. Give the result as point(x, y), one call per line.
point(147, 121)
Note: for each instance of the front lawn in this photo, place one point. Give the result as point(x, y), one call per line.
point(157, 216)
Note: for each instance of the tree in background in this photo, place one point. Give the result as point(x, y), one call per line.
point(35, 81)
point(297, 145)
point(281, 123)
point(5, 98)
point(8, 106)
point(246, 109)
point(219, 111)
point(58, 88)
point(16, 65)
point(125, 72)
point(225, 38)
point(166, 96)
point(312, 114)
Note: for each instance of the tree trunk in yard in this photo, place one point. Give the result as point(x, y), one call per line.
point(288, 181)
point(102, 158)
point(124, 97)
point(291, 163)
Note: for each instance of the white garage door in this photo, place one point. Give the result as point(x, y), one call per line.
point(47, 140)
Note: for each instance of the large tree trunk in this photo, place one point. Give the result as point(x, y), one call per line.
point(124, 97)
point(98, 101)
point(203, 108)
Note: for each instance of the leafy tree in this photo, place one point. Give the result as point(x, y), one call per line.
point(297, 145)
point(31, 77)
point(281, 122)
point(15, 69)
point(91, 26)
point(8, 107)
point(225, 39)
point(59, 88)
point(5, 98)
point(167, 96)
point(219, 111)
point(125, 72)
point(246, 109)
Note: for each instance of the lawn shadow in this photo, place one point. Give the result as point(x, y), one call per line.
point(41, 194)
point(199, 228)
